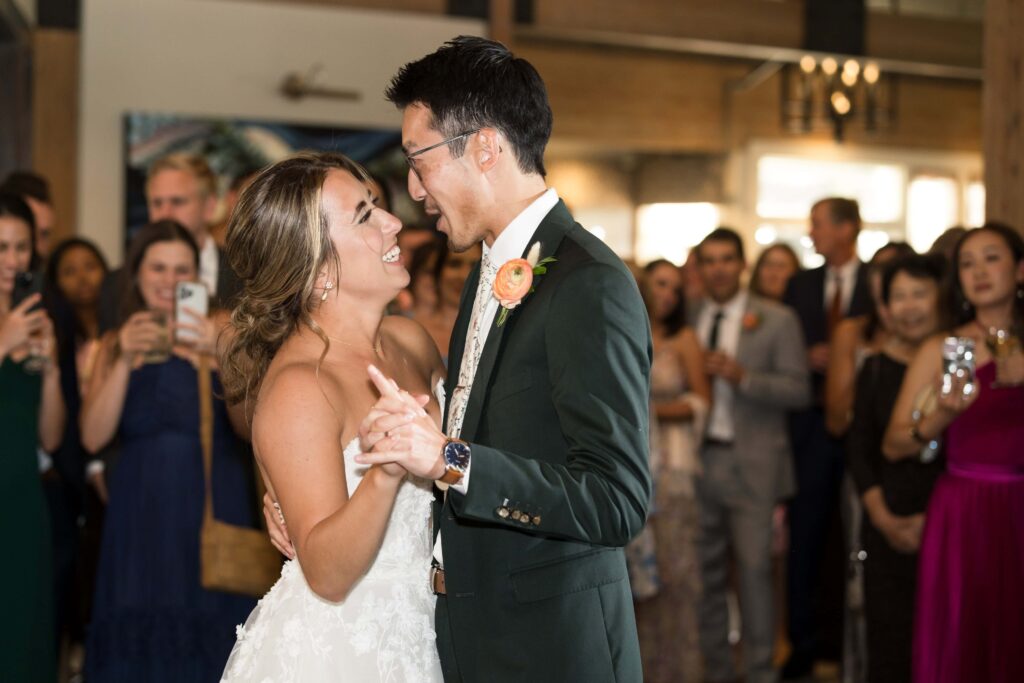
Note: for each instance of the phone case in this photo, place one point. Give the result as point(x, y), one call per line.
point(191, 295)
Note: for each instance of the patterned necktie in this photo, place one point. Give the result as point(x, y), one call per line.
point(474, 347)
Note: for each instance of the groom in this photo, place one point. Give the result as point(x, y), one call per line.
point(546, 433)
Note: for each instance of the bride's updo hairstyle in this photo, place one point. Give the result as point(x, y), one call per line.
point(278, 243)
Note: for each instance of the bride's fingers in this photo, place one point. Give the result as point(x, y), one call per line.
point(385, 385)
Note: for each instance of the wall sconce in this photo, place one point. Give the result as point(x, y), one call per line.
point(296, 86)
point(826, 93)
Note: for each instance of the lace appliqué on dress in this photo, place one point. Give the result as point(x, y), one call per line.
point(382, 631)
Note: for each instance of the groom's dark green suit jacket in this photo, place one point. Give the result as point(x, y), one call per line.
point(557, 419)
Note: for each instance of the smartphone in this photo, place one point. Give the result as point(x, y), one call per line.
point(958, 362)
point(25, 285)
point(192, 295)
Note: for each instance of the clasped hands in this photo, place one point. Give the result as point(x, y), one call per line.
point(718, 364)
point(397, 435)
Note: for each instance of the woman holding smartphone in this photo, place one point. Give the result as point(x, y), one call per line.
point(151, 618)
point(969, 615)
point(31, 415)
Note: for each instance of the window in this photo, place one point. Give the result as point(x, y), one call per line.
point(669, 231)
point(974, 202)
point(932, 208)
point(788, 186)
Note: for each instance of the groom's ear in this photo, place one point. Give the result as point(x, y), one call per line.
point(489, 149)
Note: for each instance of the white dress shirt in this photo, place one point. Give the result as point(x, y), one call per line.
point(720, 422)
point(847, 273)
point(209, 265)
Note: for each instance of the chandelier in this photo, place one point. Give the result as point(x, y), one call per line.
point(824, 92)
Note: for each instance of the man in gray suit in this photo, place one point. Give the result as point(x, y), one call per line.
point(755, 356)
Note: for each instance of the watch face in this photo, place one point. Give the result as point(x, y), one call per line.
point(456, 455)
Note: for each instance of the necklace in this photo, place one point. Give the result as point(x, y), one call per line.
point(376, 348)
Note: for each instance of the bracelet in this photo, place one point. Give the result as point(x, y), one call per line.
point(915, 432)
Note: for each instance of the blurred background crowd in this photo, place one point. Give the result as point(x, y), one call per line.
point(807, 223)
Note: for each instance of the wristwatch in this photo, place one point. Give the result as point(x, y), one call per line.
point(456, 460)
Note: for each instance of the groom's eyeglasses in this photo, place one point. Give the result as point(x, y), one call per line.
point(410, 158)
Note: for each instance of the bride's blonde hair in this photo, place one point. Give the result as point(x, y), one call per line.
point(278, 243)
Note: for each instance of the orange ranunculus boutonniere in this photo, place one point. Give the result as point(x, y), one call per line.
point(751, 321)
point(514, 280)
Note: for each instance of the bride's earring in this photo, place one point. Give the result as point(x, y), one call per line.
point(328, 286)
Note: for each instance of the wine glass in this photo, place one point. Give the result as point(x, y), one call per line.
point(1006, 353)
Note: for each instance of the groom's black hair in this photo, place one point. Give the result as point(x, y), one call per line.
point(473, 82)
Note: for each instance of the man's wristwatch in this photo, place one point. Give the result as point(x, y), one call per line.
point(456, 460)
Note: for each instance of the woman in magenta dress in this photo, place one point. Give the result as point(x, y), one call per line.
point(969, 613)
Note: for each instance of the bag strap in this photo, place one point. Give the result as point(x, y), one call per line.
point(206, 432)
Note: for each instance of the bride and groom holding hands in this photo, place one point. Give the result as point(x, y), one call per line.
point(472, 528)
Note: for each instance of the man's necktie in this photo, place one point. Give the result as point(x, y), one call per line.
point(715, 326)
point(474, 347)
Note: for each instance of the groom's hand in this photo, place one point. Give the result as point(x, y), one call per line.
point(401, 432)
point(276, 527)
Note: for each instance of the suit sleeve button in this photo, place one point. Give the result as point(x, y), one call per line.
point(502, 512)
point(536, 520)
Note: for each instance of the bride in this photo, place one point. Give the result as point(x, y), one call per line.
point(320, 262)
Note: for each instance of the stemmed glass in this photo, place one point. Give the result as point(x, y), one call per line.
point(1005, 346)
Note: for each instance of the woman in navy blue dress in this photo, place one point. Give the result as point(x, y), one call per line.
point(151, 619)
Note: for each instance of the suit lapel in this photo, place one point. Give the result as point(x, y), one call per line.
point(549, 233)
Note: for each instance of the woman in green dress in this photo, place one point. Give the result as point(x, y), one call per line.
point(31, 415)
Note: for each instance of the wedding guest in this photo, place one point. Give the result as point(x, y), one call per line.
point(73, 278)
point(894, 494)
point(181, 187)
point(31, 413)
point(821, 297)
point(151, 618)
point(680, 395)
point(855, 338)
point(968, 621)
point(219, 232)
point(35, 191)
point(945, 243)
point(693, 286)
point(772, 271)
point(755, 356)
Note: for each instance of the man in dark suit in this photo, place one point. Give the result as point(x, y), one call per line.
point(754, 352)
point(546, 433)
point(821, 298)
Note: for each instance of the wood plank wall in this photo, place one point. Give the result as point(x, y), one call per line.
point(55, 120)
point(1003, 112)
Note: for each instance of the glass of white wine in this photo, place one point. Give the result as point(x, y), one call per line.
point(1005, 346)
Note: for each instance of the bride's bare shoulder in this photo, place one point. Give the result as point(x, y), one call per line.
point(296, 391)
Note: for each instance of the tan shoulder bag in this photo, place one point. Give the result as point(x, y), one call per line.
point(232, 558)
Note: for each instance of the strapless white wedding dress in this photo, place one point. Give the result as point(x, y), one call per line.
point(382, 632)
